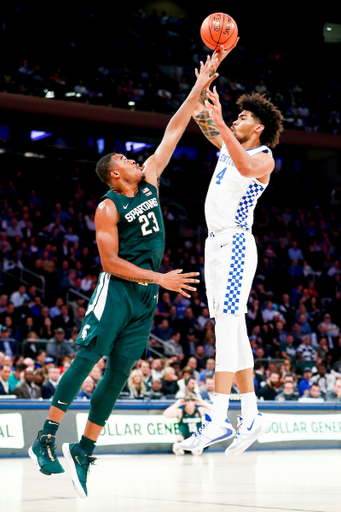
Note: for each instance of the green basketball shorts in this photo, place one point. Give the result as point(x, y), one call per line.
point(119, 318)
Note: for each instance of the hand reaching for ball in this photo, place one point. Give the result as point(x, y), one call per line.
point(213, 106)
point(207, 72)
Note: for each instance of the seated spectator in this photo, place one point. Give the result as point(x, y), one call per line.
point(17, 373)
point(209, 369)
point(192, 363)
point(313, 395)
point(304, 384)
point(135, 384)
point(58, 346)
point(96, 374)
point(157, 369)
point(323, 379)
point(48, 389)
point(334, 395)
point(200, 357)
point(269, 390)
point(154, 392)
point(147, 374)
point(30, 347)
point(188, 385)
point(169, 382)
point(39, 377)
point(173, 347)
point(329, 329)
point(27, 390)
point(287, 349)
point(55, 310)
point(269, 312)
point(209, 388)
point(5, 373)
point(288, 393)
point(40, 358)
point(162, 330)
point(190, 409)
point(86, 390)
point(204, 317)
point(19, 296)
point(307, 352)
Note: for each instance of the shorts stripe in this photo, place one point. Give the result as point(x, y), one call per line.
point(235, 277)
point(99, 308)
point(98, 292)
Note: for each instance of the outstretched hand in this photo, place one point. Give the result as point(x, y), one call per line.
point(222, 52)
point(207, 72)
point(178, 282)
point(213, 106)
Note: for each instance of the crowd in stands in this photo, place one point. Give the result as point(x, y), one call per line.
point(293, 316)
point(69, 69)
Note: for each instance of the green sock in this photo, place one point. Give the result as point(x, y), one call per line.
point(50, 427)
point(87, 444)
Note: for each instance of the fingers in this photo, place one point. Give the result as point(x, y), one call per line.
point(191, 274)
point(191, 288)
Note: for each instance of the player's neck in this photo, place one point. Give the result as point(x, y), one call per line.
point(126, 189)
point(251, 143)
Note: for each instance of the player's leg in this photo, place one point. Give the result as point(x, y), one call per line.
point(42, 452)
point(217, 426)
point(79, 455)
point(251, 423)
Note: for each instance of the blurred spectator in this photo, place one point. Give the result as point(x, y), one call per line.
point(27, 390)
point(208, 392)
point(5, 373)
point(169, 383)
point(154, 392)
point(288, 393)
point(58, 346)
point(86, 390)
point(323, 379)
point(19, 296)
point(147, 374)
point(269, 390)
point(335, 393)
point(157, 369)
point(135, 384)
point(14, 378)
point(48, 389)
point(209, 369)
point(190, 386)
point(306, 351)
point(173, 346)
point(313, 395)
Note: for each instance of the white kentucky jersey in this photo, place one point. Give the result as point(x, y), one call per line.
point(231, 197)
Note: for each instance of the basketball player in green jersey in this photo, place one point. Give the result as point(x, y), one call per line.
point(189, 411)
point(130, 238)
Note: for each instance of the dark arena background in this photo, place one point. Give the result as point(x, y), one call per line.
point(78, 82)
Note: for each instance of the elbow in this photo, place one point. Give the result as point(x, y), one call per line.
point(245, 170)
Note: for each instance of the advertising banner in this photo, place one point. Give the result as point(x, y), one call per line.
point(11, 431)
point(302, 427)
point(133, 429)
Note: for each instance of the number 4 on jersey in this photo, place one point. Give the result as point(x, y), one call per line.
point(220, 176)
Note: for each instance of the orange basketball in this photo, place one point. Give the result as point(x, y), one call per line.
point(219, 29)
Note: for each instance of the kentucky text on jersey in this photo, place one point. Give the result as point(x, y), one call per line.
point(226, 159)
point(139, 210)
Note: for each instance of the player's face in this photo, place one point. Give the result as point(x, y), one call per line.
point(129, 170)
point(244, 126)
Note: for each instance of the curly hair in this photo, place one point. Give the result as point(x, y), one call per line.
point(264, 112)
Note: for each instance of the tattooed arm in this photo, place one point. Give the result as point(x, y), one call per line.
point(201, 114)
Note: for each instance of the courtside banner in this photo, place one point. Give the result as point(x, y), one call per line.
point(11, 431)
point(133, 429)
point(302, 427)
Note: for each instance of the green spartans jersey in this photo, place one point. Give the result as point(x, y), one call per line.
point(189, 423)
point(140, 229)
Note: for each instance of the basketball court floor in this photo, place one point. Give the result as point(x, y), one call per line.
point(268, 481)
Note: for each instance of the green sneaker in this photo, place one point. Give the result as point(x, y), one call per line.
point(42, 452)
point(79, 463)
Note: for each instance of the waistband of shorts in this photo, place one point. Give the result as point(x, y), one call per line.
point(224, 232)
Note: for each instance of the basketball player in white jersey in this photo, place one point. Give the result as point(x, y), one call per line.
point(242, 173)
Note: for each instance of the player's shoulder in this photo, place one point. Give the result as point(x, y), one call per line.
point(106, 209)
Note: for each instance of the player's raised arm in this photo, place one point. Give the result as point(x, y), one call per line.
point(201, 114)
point(177, 125)
point(259, 166)
point(106, 220)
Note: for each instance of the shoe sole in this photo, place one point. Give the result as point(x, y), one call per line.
point(245, 447)
point(210, 444)
point(35, 460)
point(76, 483)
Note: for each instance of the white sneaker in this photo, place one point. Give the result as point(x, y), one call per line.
point(197, 452)
point(210, 433)
point(176, 448)
point(247, 435)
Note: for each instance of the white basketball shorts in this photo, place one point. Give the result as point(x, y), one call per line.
point(230, 266)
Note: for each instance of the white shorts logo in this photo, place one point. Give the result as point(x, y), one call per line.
point(85, 331)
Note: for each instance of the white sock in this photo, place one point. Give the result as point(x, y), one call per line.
point(249, 406)
point(219, 408)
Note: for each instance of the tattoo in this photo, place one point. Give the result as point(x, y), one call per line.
point(207, 126)
point(133, 279)
point(203, 97)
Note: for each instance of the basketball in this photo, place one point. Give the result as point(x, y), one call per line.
point(219, 29)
